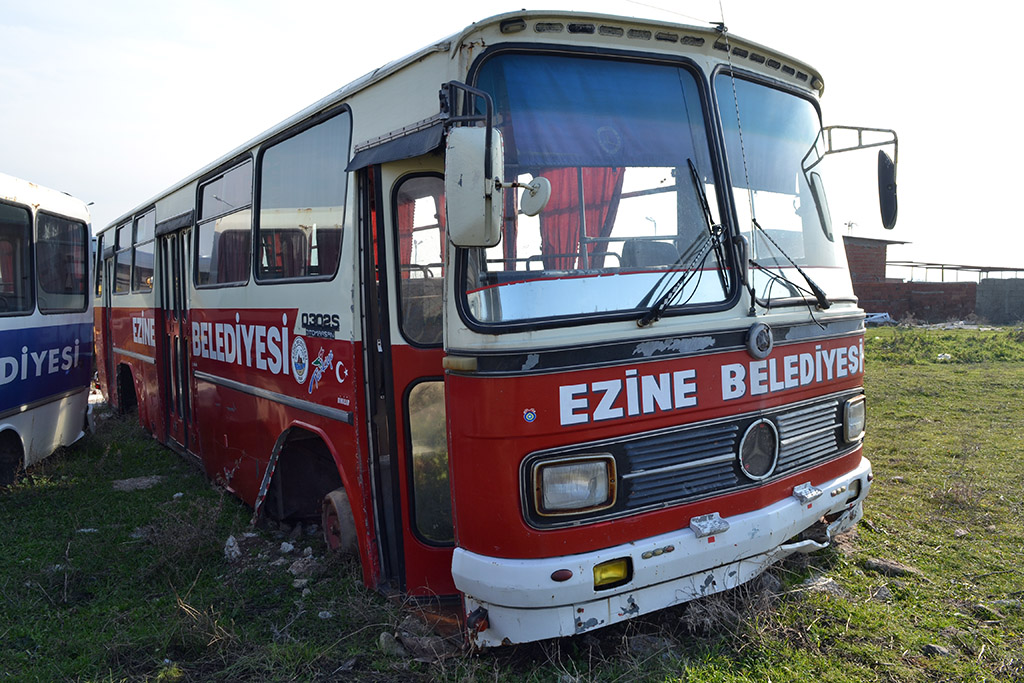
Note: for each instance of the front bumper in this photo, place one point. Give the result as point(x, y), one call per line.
point(523, 603)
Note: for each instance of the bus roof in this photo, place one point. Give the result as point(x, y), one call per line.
point(654, 33)
point(24, 192)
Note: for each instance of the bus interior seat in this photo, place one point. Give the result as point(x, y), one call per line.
point(638, 253)
point(421, 309)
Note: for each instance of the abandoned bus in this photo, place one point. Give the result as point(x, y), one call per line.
point(45, 323)
point(549, 316)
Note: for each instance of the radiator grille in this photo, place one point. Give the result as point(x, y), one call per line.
point(686, 464)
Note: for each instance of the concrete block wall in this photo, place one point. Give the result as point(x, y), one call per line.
point(1001, 301)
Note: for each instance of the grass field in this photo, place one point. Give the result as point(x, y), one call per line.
point(103, 584)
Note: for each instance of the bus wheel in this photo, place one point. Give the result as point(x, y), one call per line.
point(11, 457)
point(338, 524)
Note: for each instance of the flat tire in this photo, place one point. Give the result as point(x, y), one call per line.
point(337, 522)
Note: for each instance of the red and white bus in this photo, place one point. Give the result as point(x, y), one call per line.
point(549, 316)
point(45, 323)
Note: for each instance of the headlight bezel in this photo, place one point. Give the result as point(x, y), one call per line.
point(851, 407)
point(539, 468)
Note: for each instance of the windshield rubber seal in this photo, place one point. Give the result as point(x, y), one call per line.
point(715, 152)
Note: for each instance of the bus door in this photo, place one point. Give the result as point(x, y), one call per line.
point(174, 360)
point(404, 344)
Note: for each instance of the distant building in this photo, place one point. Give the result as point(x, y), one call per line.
point(926, 301)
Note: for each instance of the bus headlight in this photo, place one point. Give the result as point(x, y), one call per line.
point(854, 416)
point(574, 485)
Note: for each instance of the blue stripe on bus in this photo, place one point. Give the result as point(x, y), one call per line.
point(43, 361)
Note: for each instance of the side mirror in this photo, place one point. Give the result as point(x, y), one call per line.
point(887, 190)
point(472, 186)
point(536, 196)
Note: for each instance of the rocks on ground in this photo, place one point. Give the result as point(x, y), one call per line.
point(890, 567)
point(137, 483)
point(936, 650)
point(824, 584)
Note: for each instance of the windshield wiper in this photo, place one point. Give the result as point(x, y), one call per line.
point(695, 266)
point(712, 241)
point(818, 292)
point(702, 195)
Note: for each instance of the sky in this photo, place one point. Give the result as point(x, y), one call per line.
point(114, 101)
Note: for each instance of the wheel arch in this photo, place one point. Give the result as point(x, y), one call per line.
point(127, 389)
point(293, 455)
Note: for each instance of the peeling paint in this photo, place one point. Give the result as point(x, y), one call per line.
point(631, 610)
point(582, 626)
point(532, 361)
point(679, 345)
point(800, 332)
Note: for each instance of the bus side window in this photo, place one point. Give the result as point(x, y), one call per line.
point(225, 228)
point(142, 252)
point(419, 224)
point(97, 272)
point(302, 203)
point(15, 264)
point(123, 260)
point(431, 491)
point(61, 256)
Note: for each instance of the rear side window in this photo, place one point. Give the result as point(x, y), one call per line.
point(97, 272)
point(15, 260)
point(123, 260)
point(142, 252)
point(224, 233)
point(302, 182)
point(62, 261)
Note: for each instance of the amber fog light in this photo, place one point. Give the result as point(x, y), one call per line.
point(612, 573)
point(759, 449)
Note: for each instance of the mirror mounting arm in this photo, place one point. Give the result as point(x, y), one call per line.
point(825, 144)
point(450, 114)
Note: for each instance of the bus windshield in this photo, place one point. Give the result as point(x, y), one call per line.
point(767, 134)
point(634, 207)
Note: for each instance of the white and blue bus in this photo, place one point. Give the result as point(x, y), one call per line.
point(45, 322)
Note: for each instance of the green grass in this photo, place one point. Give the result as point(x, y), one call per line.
point(98, 584)
point(149, 595)
point(915, 345)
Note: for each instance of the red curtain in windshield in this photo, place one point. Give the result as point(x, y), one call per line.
point(560, 221)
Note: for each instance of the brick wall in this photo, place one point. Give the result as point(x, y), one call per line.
point(928, 301)
point(867, 261)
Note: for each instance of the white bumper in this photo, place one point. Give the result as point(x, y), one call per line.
point(523, 603)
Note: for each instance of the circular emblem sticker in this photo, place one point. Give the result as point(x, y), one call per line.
point(300, 360)
point(609, 139)
point(529, 414)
